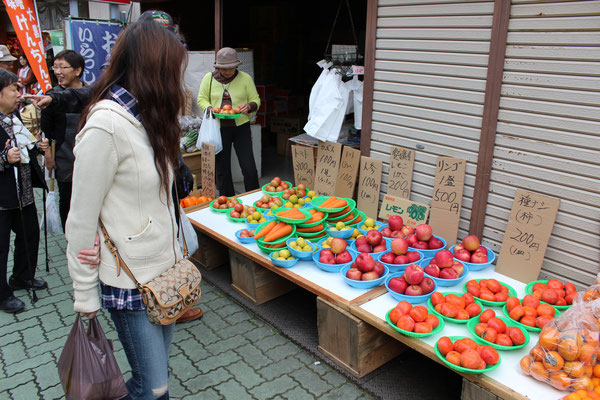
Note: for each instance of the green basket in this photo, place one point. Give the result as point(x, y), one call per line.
point(267, 249)
point(310, 225)
point(227, 116)
point(222, 210)
point(529, 290)
point(292, 221)
point(362, 215)
point(454, 320)
point(235, 219)
point(316, 202)
point(438, 328)
point(312, 234)
point(282, 239)
point(509, 322)
point(461, 369)
point(335, 219)
point(526, 327)
point(278, 194)
point(511, 293)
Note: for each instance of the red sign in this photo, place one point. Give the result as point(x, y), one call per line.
point(23, 16)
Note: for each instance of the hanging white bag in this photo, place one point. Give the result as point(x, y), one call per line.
point(210, 132)
point(191, 237)
point(53, 221)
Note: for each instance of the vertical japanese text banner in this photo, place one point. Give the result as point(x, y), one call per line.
point(24, 19)
point(94, 41)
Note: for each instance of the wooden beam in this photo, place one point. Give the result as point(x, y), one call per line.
point(490, 115)
point(369, 78)
point(218, 25)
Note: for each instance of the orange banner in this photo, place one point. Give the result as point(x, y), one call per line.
point(24, 19)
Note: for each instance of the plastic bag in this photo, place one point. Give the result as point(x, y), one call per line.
point(53, 221)
point(87, 366)
point(210, 132)
point(191, 237)
point(567, 350)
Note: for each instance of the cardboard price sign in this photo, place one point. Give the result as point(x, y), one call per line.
point(527, 233)
point(304, 165)
point(412, 213)
point(328, 164)
point(369, 185)
point(402, 162)
point(348, 171)
point(447, 197)
point(208, 170)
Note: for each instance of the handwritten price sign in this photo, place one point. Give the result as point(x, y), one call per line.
point(208, 170)
point(402, 162)
point(328, 165)
point(304, 165)
point(348, 171)
point(527, 234)
point(447, 197)
point(369, 185)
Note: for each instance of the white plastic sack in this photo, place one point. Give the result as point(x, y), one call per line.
point(316, 89)
point(54, 224)
point(356, 88)
point(324, 123)
point(191, 238)
point(210, 132)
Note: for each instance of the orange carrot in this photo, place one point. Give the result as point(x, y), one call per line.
point(337, 214)
point(276, 246)
point(347, 218)
point(286, 230)
point(337, 203)
point(328, 201)
point(312, 229)
point(266, 229)
point(316, 217)
point(277, 227)
point(292, 213)
point(312, 211)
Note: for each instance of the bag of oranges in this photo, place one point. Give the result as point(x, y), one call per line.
point(567, 350)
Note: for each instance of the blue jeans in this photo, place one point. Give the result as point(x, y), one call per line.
point(146, 346)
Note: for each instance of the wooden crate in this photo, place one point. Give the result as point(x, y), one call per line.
point(210, 253)
point(254, 281)
point(472, 391)
point(194, 162)
point(350, 342)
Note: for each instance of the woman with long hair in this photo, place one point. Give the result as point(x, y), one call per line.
point(125, 156)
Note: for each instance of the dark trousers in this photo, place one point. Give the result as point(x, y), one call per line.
point(27, 242)
point(241, 138)
point(64, 201)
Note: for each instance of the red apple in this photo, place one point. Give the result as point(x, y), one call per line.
point(354, 274)
point(433, 270)
point(360, 240)
point(412, 239)
point(413, 256)
point(364, 262)
point(471, 242)
point(448, 273)
point(379, 248)
point(400, 260)
point(397, 234)
point(398, 284)
point(459, 247)
point(326, 252)
point(427, 285)
point(399, 246)
point(364, 248)
point(338, 245)
point(327, 259)
point(379, 268)
point(479, 258)
point(374, 237)
point(444, 258)
point(395, 222)
point(424, 232)
point(388, 258)
point(343, 257)
point(414, 290)
point(369, 276)
point(408, 230)
point(420, 245)
point(462, 255)
point(386, 232)
point(413, 275)
point(458, 267)
point(435, 243)
point(481, 250)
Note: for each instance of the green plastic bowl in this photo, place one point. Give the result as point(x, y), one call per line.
point(225, 210)
point(358, 213)
point(511, 293)
point(278, 194)
point(438, 329)
point(529, 290)
point(227, 116)
point(267, 249)
point(509, 322)
point(317, 201)
point(454, 320)
point(292, 221)
point(461, 369)
point(341, 216)
point(311, 224)
point(312, 234)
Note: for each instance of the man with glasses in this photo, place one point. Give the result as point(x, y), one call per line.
point(61, 125)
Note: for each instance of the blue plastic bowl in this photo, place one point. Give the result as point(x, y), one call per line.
point(431, 253)
point(331, 267)
point(377, 226)
point(476, 266)
point(374, 255)
point(253, 225)
point(301, 255)
point(364, 284)
point(282, 263)
point(445, 282)
point(341, 234)
point(410, 299)
point(244, 240)
point(399, 267)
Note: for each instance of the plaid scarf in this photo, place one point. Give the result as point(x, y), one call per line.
point(126, 100)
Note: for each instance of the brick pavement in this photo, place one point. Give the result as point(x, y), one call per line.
point(228, 354)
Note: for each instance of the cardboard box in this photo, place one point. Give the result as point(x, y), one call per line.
point(194, 163)
point(289, 125)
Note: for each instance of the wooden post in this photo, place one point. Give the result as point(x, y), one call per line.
point(218, 25)
point(490, 115)
point(369, 79)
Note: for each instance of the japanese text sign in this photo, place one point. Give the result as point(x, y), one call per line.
point(24, 19)
point(94, 41)
point(304, 165)
point(328, 165)
point(208, 169)
point(402, 162)
point(348, 170)
point(447, 197)
point(369, 185)
point(412, 213)
point(527, 234)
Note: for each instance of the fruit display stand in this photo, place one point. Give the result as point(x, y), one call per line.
point(350, 342)
point(505, 382)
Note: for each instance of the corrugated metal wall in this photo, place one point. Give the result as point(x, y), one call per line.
point(430, 74)
point(430, 70)
point(548, 133)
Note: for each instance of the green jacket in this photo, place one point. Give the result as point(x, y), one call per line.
point(242, 90)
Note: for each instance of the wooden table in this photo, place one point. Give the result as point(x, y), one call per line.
point(349, 318)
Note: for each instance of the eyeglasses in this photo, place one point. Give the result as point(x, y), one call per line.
point(59, 68)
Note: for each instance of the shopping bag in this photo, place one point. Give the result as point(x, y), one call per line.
point(210, 132)
point(191, 238)
point(53, 221)
point(87, 367)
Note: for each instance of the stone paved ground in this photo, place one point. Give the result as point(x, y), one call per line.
point(228, 354)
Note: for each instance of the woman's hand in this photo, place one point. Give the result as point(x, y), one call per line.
point(39, 101)
point(13, 156)
point(44, 145)
point(89, 315)
point(91, 256)
point(49, 162)
point(245, 108)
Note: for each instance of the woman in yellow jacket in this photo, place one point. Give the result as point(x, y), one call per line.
point(226, 85)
